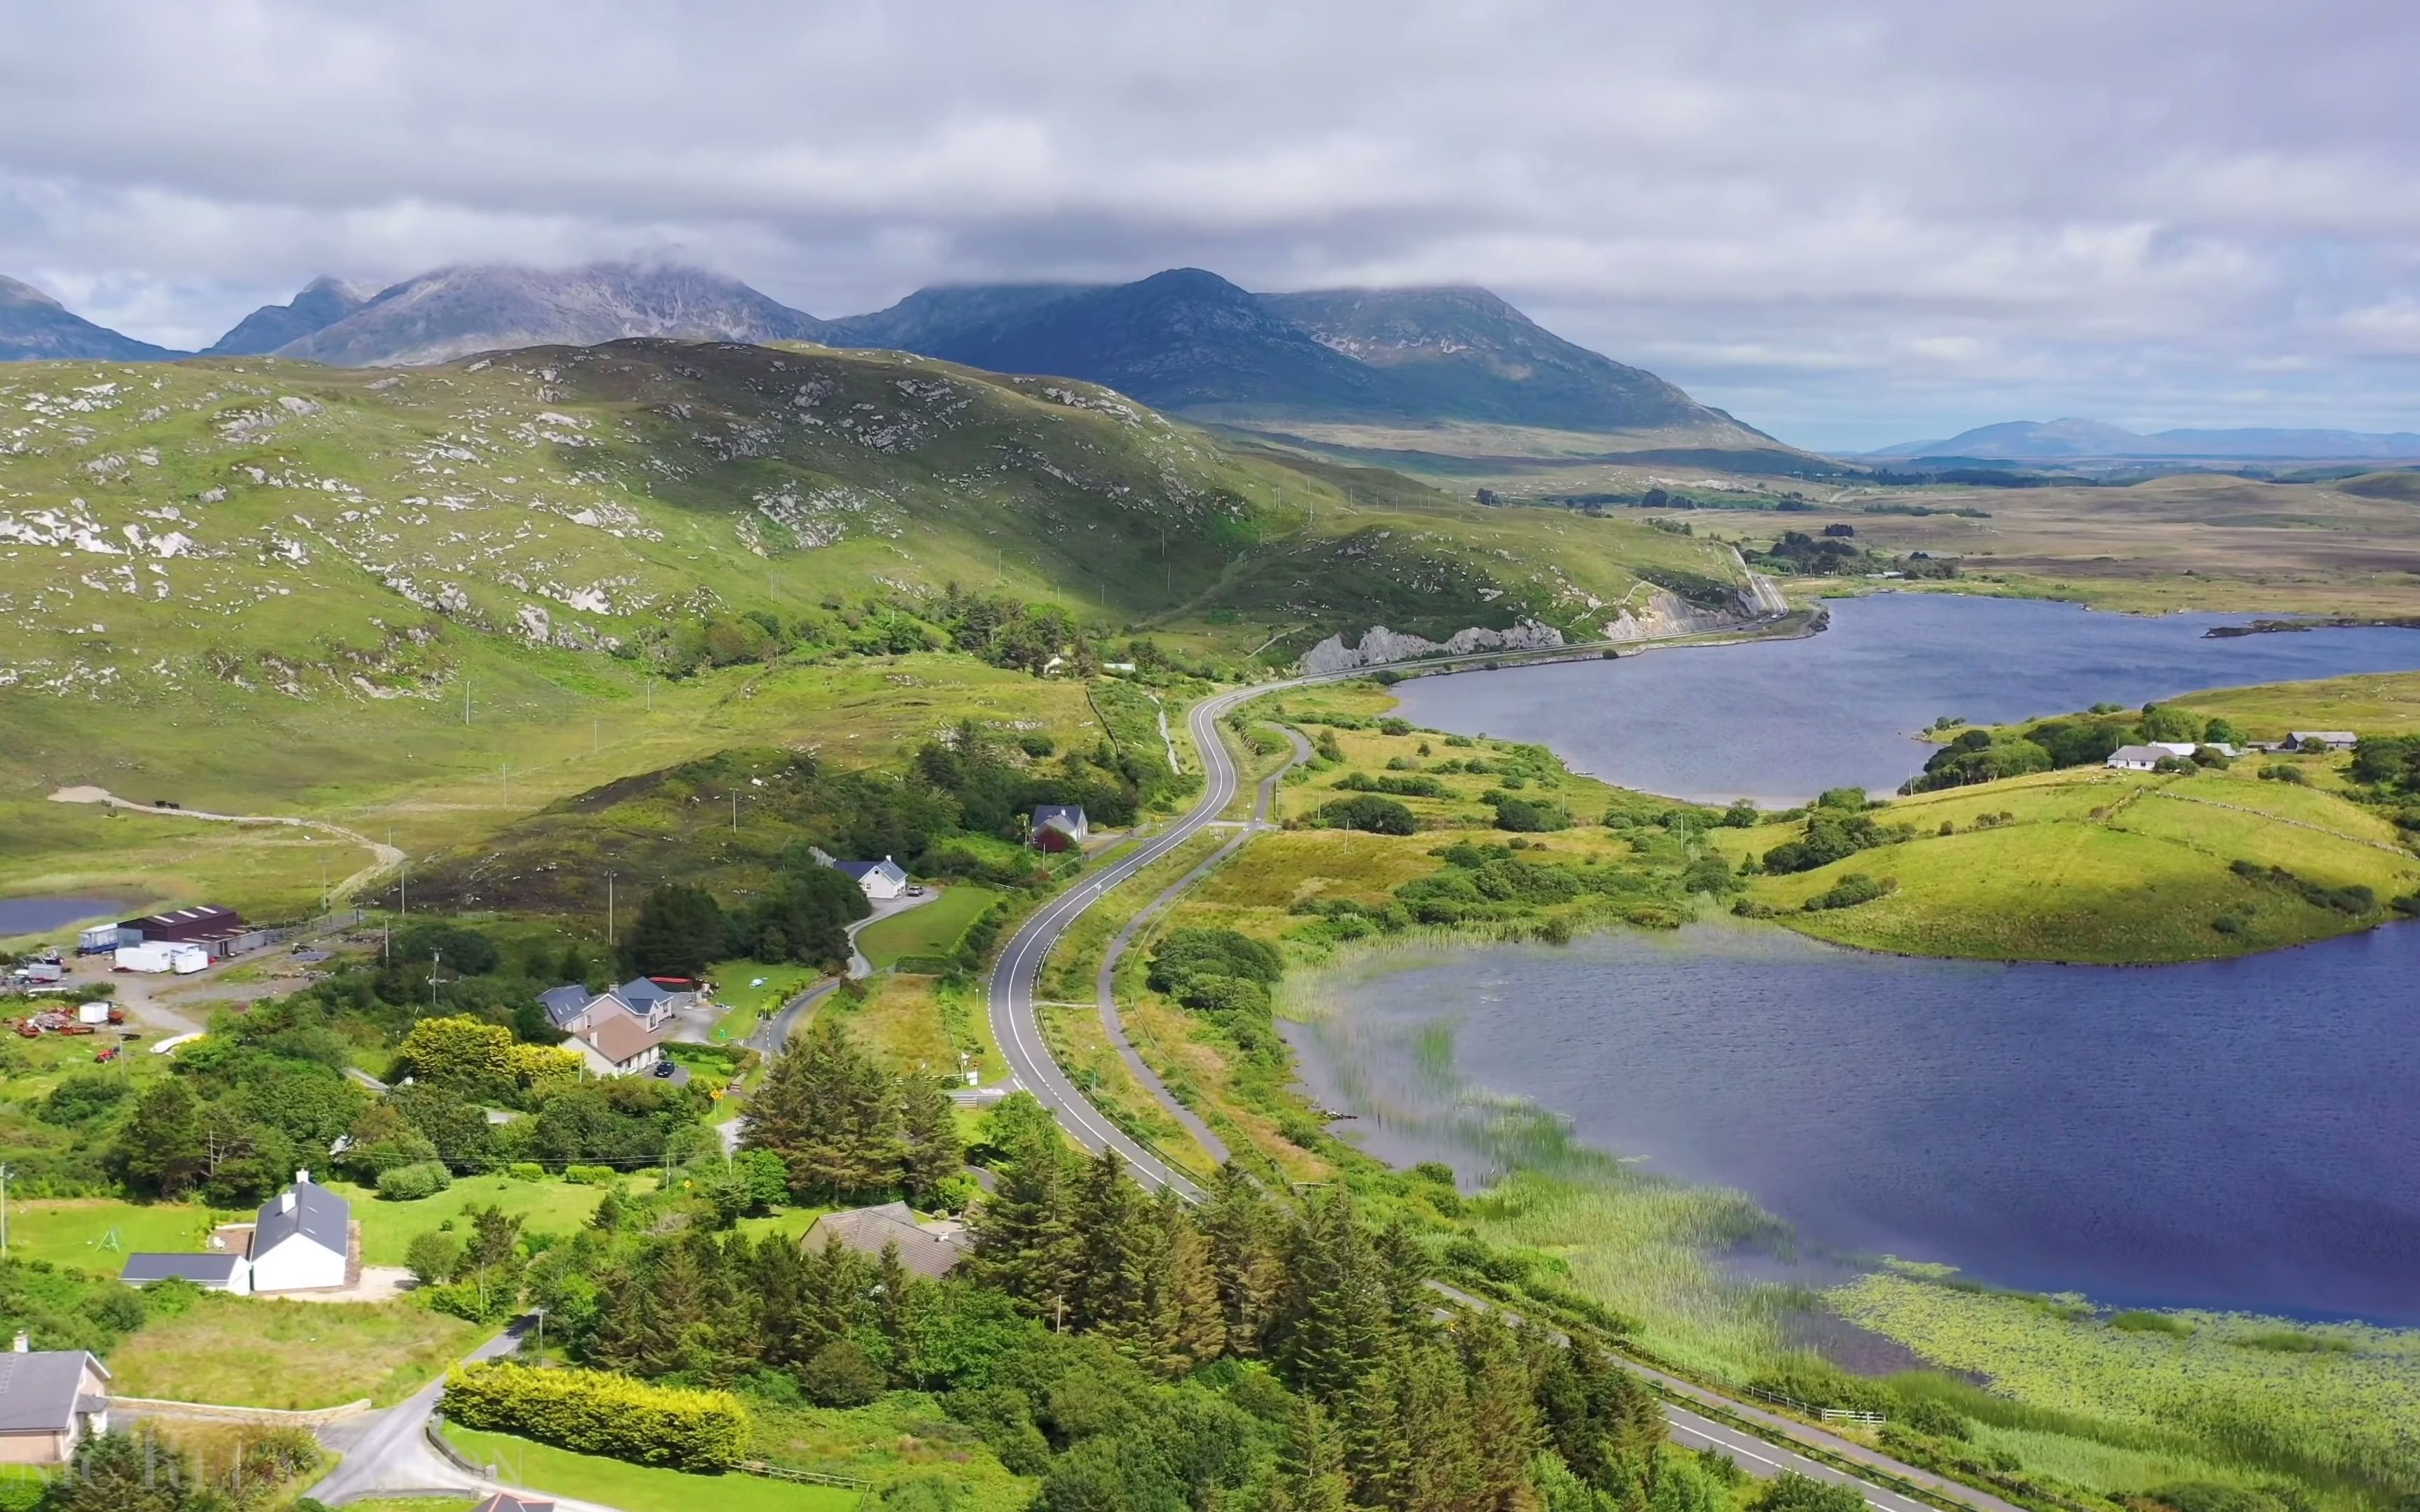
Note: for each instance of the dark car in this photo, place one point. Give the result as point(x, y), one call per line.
point(664, 1067)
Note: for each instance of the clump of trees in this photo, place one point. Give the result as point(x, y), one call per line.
point(843, 1127)
point(803, 915)
point(1838, 827)
point(1985, 755)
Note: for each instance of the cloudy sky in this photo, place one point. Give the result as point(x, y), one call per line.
point(1860, 222)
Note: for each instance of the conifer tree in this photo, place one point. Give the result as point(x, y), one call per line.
point(1025, 1231)
point(1311, 1474)
point(1191, 1330)
point(1501, 1415)
point(1332, 1314)
point(929, 1124)
point(1243, 1258)
point(1112, 1295)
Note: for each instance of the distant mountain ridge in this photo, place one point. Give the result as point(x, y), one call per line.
point(322, 303)
point(1446, 369)
point(2053, 440)
point(1188, 341)
point(454, 311)
point(35, 327)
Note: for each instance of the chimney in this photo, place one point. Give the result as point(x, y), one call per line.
point(24, 1344)
point(302, 1177)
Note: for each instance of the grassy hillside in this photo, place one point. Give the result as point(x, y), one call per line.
point(2098, 866)
point(430, 601)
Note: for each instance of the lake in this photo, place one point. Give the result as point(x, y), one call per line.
point(1780, 720)
point(2236, 1134)
point(37, 916)
point(2241, 1133)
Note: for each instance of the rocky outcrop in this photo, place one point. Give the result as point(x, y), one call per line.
point(1380, 644)
point(1666, 614)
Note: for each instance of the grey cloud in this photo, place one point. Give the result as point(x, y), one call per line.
point(1850, 223)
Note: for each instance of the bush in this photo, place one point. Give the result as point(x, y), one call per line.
point(842, 1374)
point(1850, 890)
point(596, 1411)
point(1528, 816)
point(1368, 811)
point(526, 1170)
point(1792, 1493)
point(410, 1183)
point(589, 1175)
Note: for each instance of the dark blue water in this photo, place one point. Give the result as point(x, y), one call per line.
point(1779, 721)
point(2239, 1134)
point(36, 915)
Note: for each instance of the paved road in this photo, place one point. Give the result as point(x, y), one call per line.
point(1105, 996)
point(1012, 991)
point(388, 1452)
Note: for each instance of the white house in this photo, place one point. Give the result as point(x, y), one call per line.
point(2333, 739)
point(1067, 818)
point(615, 1041)
point(2186, 747)
point(882, 880)
point(303, 1239)
point(50, 1399)
point(2140, 758)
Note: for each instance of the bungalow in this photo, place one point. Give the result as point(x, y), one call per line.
point(1067, 818)
point(2186, 747)
point(930, 1247)
point(616, 1042)
point(50, 1399)
point(656, 999)
point(2138, 758)
point(2331, 739)
point(305, 1239)
point(882, 880)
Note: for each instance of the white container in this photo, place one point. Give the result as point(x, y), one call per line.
point(184, 960)
point(92, 1013)
point(145, 958)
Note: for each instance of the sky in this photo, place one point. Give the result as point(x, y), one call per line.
point(1850, 225)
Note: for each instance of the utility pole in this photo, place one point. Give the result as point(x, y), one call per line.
point(3, 1210)
point(609, 910)
point(466, 701)
point(734, 808)
point(509, 784)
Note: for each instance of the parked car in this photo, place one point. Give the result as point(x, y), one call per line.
point(915, 889)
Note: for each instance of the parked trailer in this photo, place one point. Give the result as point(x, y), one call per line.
point(184, 960)
point(145, 958)
point(92, 1013)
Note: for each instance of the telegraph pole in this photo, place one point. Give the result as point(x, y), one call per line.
point(609, 910)
point(3, 1210)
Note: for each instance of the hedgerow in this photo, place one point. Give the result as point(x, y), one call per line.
point(598, 1412)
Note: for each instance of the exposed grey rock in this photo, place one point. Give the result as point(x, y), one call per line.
point(1379, 644)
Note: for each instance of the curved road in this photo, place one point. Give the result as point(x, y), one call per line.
point(1032, 1068)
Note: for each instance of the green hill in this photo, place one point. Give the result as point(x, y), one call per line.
point(439, 597)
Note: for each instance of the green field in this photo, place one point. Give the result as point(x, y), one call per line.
point(254, 1351)
point(551, 1205)
point(639, 1487)
point(96, 1234)
point(933, 929)
point(2099, 866)
point(748, 1005)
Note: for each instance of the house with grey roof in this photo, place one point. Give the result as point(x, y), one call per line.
point(882, 880)
point(656, 999)
point(2138, 758)
point(930, 1247)
point(49, 1401)
point(514, 1502)
point(2331, 739)
point(564, 1005)
point(1067, 818)
point(305, 1239)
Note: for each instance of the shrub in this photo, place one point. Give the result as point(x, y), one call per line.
point(525, 1170)
point(588, 1175)
point(842, 1374)
point(1367, 810)
point(1527, 815)
point(596, 1411)
point(1850, 890)
point(1792, 1493)
point(433, 1255)
point(410, 1183)
point(2139, 1321)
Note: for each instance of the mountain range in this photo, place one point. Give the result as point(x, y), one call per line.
point(1381, 366)
point(35, 327)
point(2047, 440)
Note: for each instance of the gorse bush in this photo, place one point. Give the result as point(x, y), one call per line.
point(598, 1412)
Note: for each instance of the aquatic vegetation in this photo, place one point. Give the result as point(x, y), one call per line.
point(2347, 1410)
